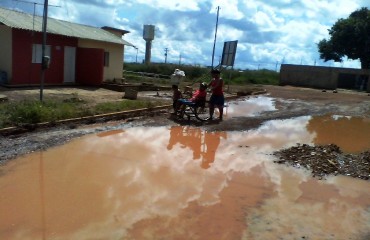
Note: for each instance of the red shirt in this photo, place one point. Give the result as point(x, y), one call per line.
point(217, 87)
point(198, 95)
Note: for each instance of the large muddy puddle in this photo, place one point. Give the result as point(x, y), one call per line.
point(248, 107)
point(185, 183)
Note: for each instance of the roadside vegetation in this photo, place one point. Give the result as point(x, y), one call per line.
point(33, 111)
point(197, 73)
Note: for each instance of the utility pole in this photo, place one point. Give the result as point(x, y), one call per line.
point(137, 50)
point(214, 43)
point(165, 54)
point(43, 61)
point(180, 59)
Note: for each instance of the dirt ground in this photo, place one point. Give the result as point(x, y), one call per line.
point(90, 94)
point(290, 101)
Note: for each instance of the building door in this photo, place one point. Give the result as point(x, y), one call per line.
point(347, 80)
point(90, 66)
point(69, 64)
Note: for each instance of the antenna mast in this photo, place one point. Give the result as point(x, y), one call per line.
point(44, 60)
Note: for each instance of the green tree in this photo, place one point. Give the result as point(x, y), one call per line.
point(349, 37)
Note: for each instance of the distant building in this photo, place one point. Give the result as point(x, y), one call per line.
point(325, 77)
point(79, 54)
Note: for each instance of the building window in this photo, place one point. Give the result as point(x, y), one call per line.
point(37, 52)
point(106, 59)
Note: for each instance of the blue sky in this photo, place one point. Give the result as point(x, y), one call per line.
point(268, 32)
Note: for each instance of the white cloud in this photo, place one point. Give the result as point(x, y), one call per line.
point(331, 10)
point(263, 20)
point(229, 9)
point(178, 5)
point(227, 33)
point(266, 31)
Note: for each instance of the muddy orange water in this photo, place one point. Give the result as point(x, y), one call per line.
point(185, 183)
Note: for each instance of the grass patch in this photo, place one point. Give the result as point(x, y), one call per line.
point(124, 105)
point(32, 112)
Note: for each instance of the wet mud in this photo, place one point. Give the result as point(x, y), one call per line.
point(150, 177)
point(242, 114)
point(179, 182)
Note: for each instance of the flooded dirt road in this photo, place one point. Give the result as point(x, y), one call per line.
point(179, 182)
point(153, 178)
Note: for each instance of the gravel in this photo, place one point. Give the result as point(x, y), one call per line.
point(326, 160)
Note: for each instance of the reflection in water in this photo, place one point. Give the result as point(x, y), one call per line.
point(187, 137)
point(211, 142)
point(146, 183)
point(250, 106)
point(42, 196)
point(351, 134)
point(311, 210)
point(203, 144)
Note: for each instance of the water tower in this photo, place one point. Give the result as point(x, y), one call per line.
point(148, 36)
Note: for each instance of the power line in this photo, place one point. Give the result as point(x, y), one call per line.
point(36, 3)
point(34, 9)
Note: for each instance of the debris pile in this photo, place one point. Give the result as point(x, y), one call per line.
point(326, 160)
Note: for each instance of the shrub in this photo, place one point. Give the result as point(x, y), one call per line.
point(197, 73)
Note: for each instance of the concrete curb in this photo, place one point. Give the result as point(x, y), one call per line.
point(87, 119)
point(94, 118)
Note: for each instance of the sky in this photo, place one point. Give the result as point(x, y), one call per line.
point(268, 32)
